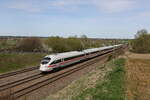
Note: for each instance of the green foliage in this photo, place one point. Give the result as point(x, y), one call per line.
point(13, 61)
point(141, 43)
point(59, 44)
point(3, 43)
point(54, 44)
point(112, 88)
point(74, 44)
point(7, 43)
point(30, 44)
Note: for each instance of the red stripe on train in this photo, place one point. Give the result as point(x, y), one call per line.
point(51, 66)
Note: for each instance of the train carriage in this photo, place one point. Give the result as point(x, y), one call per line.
point(53, 61)
point(61, 59)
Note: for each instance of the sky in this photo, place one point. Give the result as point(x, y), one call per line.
point(93, 18)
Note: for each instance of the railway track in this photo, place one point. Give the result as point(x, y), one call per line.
point(19, 81)
point(20, 87)
point(49, 80)
point(17, 72)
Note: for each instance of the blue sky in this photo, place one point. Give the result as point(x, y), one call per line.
point(94, 18)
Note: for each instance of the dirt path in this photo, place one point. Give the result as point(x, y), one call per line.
point(138, 76)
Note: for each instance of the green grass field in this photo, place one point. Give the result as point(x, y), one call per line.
point(10, 62)
point(111, 89)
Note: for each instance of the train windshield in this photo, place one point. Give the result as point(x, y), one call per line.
point(45, 60)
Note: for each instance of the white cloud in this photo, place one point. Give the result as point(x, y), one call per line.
point(108, 6)
point(42, 5)
point(63, 5)
point(24, 7)
point(69, 5)
point(69, 2)
point(111, 6)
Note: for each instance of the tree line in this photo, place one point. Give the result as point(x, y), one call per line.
point(55, 44)
point(141, 43)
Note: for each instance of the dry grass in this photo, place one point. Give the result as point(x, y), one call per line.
point(138, 56)
point(138, 77)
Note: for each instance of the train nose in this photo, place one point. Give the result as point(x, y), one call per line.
point(45, 68)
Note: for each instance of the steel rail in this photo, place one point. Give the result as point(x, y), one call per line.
point(20, 81)
point(17, 72)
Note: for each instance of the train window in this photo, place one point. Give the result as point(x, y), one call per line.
point(53, 62)
point(95, 52)
point(80, 55)
point(45, 60)
point(73, 57)
point(68, 58)
point(56, 61)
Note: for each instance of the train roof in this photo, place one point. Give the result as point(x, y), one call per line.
point(64, 55)
point(96, 49)
point(91, 50)
point(76, 53)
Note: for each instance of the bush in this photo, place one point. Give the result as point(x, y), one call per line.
point(74, 43)
point(141, 43)
point(59, 44)
point(30, 44)
point(89, 43)
point(3, 43)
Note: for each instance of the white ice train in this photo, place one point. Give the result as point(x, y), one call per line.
point(50, 62)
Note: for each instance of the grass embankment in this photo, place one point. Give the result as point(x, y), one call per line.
point(10, 62)
point(111, 89)
point(105, 82)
